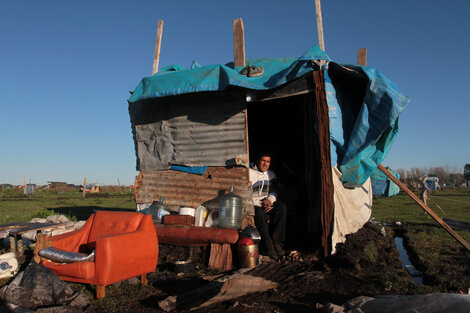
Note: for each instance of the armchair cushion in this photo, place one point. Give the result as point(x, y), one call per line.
point(105, 224)
point(79, 270)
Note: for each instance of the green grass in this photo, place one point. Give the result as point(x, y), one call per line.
point(443, 261)
point(16, 207)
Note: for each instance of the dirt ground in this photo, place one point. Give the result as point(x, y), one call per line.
point(367, 264)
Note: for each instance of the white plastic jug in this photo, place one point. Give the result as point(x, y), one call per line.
point(200, 216)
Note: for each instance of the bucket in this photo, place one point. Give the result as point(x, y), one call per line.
point(247, 253)
point(186, 211)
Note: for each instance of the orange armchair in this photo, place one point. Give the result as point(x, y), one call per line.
point(126, 246)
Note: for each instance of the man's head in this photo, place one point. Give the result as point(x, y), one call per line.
point(264, 161)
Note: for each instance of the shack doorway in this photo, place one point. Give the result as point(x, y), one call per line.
point(284, 128)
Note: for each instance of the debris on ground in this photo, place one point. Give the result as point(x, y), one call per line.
point(38, 288)
point(8, 265)
point(221, 289)
point(67, 226)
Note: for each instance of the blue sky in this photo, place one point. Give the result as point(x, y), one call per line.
point(66, 69)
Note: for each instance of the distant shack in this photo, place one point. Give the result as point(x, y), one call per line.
point(61, 185)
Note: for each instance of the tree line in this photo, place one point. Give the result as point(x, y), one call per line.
point(447, 175)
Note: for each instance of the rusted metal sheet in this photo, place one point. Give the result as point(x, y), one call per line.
point(180, 189)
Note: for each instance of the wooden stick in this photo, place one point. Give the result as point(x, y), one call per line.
point(321, 41)
point(424, 207)
point(158, 44)
point(362, 56)
point(119, 184)
point(238, 43)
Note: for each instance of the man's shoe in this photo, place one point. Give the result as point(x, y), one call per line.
point(278, 248)
point(272, 254)
point(269, 251)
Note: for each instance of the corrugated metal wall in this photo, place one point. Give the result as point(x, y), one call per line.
point(181, 189)
point(204, 129)
point(191, 132)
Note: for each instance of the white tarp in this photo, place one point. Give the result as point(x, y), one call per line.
point(353, 208)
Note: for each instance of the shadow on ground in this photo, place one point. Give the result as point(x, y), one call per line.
point(84, 212)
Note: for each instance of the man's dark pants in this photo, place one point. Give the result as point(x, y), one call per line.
point(271, 225)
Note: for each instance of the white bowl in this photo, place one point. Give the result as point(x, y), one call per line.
point(186, 211)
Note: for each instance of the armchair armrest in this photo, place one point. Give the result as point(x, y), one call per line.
point(71, 241)
point(122, 256)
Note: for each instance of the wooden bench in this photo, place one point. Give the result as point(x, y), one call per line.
point(219, 240)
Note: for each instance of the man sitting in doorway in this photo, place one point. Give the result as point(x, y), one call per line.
point(270, 213)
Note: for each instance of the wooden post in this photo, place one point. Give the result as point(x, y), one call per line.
point(220, 257)
point(362, 56)
point(20, 249)
point(41, 243)
point(84, 187)
point(119, 184)
point(321, 41)
point(238, 43)
point(100, 291)
point(12, 243)
point(424, 207)
point(143, 279)
point(158, 44)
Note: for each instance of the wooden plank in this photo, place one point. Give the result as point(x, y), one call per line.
point(297, 87)
point(158, 44)
point(424, 207)
point(19, 228)
point(247, 138)
point(220, 257)
point(238, 43)
point(321, 41)
point(362, 56)
point(327, 188)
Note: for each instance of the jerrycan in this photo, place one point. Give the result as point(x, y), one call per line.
point(230, 210)
point(156, 210)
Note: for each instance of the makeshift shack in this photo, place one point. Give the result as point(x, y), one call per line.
point(327, 126)
point(382, 186)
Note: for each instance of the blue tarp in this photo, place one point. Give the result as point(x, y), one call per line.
point(431, 184)
point(357, 144)
point(382, 185)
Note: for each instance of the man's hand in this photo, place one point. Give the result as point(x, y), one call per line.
point(266, 205)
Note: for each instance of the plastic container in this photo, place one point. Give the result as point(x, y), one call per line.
point(200, 216)
point(186, 211)
point(157, 210)
point(230, 215)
